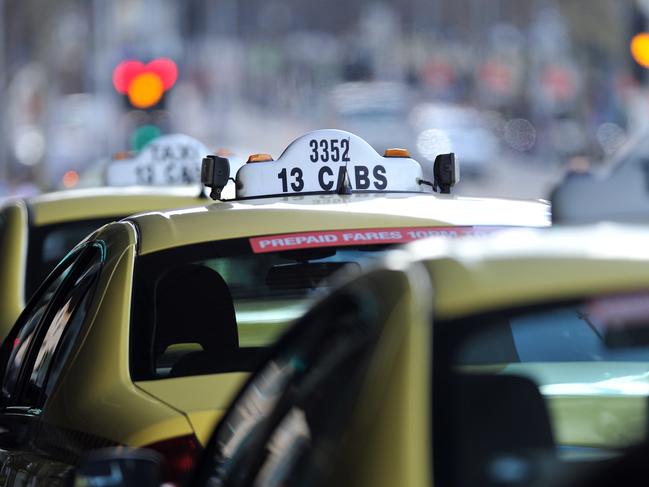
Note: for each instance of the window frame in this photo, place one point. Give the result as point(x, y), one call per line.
point(93, 253)
point(7, 348)
point(76, 261)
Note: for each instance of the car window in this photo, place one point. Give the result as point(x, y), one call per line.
point(48, 244)
point(61, 328)
point(217, 307)
point(561, 334)
point(23, 333)
point(531, 392)
point(292, 412)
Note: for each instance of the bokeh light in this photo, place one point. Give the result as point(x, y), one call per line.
point(166, 69)
point(70, 179)
point(145, 83)
point(610, 137)
point(640, 49)
point(29, 146)
point(143, 135)
point(124, 73)
point(432, 142)
point(520, 134)
point(145, 90)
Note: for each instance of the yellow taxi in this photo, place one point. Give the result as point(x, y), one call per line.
point(37, 232)
point(145, 331)
point(518, 358)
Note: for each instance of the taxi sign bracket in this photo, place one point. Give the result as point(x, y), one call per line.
point(423, 182)
point(344, 185)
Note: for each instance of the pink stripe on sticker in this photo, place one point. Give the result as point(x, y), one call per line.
point(364, 236)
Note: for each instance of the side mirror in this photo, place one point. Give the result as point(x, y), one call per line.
point(446, 172)
point(215, 174)
point(119, 467)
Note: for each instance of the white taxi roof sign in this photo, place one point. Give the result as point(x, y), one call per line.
point(168, 160)
point(320, 161)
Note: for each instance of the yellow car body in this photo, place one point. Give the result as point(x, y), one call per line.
point(111, 388)
point(394, 414)
point(58, 221)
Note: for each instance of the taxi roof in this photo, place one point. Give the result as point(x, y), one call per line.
point(90, 203)
point(160, 230)
point(526, 266)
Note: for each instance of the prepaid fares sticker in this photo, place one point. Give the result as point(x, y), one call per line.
point(368, 236)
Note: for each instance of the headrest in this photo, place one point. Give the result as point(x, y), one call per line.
point(194, 305)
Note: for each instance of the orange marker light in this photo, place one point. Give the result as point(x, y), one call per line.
point(123, 155)
point(260, 158)
point(396, 152)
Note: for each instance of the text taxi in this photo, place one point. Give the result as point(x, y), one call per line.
point(36, 232)
point(144, 332)
point(518, 358)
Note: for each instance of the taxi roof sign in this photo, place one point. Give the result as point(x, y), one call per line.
point(165, 161)
point(324, 161)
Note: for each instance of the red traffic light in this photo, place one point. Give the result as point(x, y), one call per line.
point(144, 83)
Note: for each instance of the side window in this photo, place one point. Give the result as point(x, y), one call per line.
point(61, 329)
point(22, 336)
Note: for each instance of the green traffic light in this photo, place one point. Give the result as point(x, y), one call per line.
point(143, 135)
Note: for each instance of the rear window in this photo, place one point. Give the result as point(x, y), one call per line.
point(563, 334)
point(48, 244)
point(533, 393)
point(216, 307)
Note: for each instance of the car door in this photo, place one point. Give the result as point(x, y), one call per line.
point(34, 357)
point(312, 401)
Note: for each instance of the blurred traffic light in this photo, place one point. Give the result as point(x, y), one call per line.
point(640, 49)
point(144, 134)
point(144, 87)
point(639, 44)
point(144, 84)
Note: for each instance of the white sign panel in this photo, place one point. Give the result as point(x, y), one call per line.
point(318, 162)
point(168, 160)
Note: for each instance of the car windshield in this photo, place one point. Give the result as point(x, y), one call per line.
point(48, 244)
point(215, 307)
point(559, 388)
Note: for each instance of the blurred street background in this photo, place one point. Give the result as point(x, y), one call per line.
point(519, 89)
